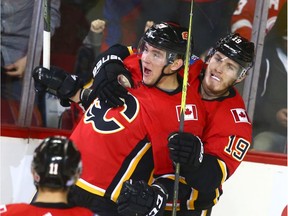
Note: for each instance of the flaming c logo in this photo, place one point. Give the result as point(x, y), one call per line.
point(185, 35)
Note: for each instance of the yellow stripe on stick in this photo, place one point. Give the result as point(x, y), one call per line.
point(183, 106)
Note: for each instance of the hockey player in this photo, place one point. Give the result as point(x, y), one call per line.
point(228, 134)
point(118, 141)
point(56, 166)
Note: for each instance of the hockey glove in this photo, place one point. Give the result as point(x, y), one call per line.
point(56, 81)
point(138, 198)
point(108, 73)
point(186, 149)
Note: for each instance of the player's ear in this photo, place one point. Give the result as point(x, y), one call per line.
point(177, 64)
point(240, 79)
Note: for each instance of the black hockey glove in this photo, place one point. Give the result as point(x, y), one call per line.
point(186, 149)
point(138, 197)
point(108, 73)
point(56, 81)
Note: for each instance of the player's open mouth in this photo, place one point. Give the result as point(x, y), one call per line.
point(215, 78)
point(146, 71)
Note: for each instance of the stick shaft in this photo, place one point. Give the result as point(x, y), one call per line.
point(183, 106)
point(46, 34)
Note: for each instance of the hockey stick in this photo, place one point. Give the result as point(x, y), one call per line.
point(183, 106)
point(46, 34)
point(49, 100)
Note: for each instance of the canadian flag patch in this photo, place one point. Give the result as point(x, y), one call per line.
point(3, 208)
point(240, 115)
point(190, 112)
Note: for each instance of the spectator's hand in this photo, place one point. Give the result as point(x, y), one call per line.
point(138, 198)
point(16, 69)
point(186, 149)
point(148, 25)
point(97, 26)
point(281, 117)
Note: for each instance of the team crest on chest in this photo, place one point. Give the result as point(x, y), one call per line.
point(190, 112)
point(106, 120)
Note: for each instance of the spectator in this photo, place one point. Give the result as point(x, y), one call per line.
point(55, 167)
point(86, 56)
point(70, 35)
point(270, 116)
point(117, 13)
point(89, 50)
point(16, 19)
point(211, 21)
point(243, 16)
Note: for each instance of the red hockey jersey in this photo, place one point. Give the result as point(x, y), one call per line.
point(228, 132)
point(242, 19)
point(40, 209)
point(116, 143)
point(226, 138)
point(162, 114)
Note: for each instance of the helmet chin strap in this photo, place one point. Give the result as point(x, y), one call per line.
point(163, 74)
point(243, 72)
point(241, 75)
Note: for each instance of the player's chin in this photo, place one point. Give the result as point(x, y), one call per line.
point(148, 81)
